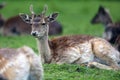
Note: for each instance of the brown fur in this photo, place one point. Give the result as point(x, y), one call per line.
point(79, 49)
point(68, 41)
point(16, 26)
point(64, 42)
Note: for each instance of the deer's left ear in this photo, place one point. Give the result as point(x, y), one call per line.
point(52, 17)
point(26, 18)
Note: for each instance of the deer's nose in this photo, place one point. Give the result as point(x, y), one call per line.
point(34, 33)
point(43, 23)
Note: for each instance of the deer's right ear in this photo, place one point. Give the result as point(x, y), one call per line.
point(26, 18)
point(102, 10)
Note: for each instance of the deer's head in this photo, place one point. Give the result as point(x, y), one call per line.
point(102, 16)
point(39, 23)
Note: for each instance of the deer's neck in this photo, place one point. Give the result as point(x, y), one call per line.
point(44, 49)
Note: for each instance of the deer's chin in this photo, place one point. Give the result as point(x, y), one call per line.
point(39, 36)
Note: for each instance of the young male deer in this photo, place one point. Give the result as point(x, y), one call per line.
point(20, 64)
point(78, 49)
point(112, 30)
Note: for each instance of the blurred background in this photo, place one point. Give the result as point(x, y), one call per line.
point(74, 16)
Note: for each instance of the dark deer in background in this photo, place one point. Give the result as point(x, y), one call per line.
point(112, 30)
point(16, 26)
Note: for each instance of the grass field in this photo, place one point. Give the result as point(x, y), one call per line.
point(75, 16)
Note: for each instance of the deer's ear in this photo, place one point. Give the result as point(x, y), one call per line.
point(52, 17)
point(102, 10)
point(26, 18)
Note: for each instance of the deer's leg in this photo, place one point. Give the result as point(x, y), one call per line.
point(99, 65)
point(103, 50)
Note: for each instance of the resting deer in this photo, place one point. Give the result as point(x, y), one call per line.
point(78, 49)
point(112, 30)
point(16, 26)
point(20, 64)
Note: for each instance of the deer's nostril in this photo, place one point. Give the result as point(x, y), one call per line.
point(43, 23)
point(34, 33)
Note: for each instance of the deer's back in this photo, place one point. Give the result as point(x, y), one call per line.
point(15, 63)
point(66, 43)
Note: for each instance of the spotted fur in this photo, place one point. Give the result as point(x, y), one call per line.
point(77, 49)
point(20, 64)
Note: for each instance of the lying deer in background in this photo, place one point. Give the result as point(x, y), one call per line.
point(16, 26)
point(20, 64)
point(112, 30)
point(78, 49)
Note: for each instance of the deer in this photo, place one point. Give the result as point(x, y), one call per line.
point(16, 26)
point(112, 29)
point(20, 64)
point(71, 49)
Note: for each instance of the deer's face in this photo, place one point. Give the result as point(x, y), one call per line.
point(39, 26)
point(39, 23)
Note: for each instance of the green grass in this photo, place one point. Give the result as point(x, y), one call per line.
point(75, 17)
point(75, 72)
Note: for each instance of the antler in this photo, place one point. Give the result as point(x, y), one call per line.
point(32, 12)
point(31, 9)
point(44, 10)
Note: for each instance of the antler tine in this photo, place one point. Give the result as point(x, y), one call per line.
point(32, 12)
point(31, 9)
point(45, 9)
